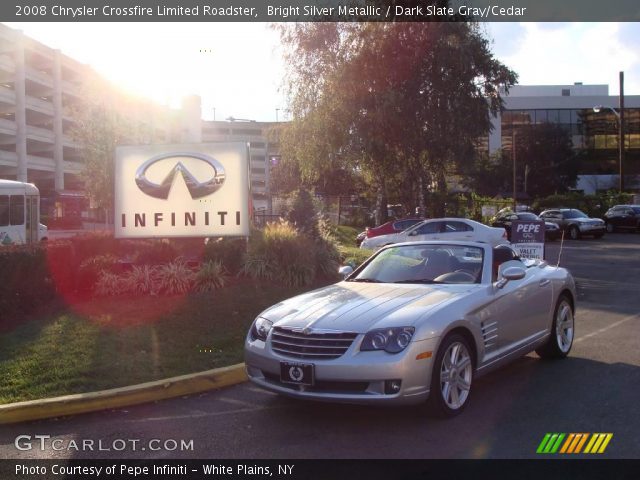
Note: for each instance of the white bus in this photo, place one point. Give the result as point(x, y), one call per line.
point(20, 213)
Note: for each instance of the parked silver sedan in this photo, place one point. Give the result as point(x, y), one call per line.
point(417, 321)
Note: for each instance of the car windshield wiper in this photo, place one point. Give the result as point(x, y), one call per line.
point(364, 280)
point(419, 280)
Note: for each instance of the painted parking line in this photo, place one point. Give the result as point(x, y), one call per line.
point(235, 401)
point(259, 390)
point(205, 415)
point(608, 327)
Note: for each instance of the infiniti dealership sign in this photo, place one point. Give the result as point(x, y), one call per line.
point(195, 190)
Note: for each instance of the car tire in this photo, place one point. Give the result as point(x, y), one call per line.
point(448, 399)
point(574, 232)
point(609, 227)
point(562, 331)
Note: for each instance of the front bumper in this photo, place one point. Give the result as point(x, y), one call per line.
point(355, 377)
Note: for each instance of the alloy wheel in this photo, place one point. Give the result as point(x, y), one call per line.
point(456, 373)
point(564, 326)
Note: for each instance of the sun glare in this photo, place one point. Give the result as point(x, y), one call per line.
point(234, 67)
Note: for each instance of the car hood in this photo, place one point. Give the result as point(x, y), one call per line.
point(360, 307)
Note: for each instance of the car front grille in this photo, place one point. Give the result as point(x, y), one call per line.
point(294, 343)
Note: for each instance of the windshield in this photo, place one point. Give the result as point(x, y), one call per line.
point(424, 264)
point(574, 214)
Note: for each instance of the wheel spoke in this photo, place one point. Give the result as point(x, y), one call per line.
point(463, 363)
point(455, 352)
point(446, 363)
point(455, 397)
point(446, 390)
point(463, 384)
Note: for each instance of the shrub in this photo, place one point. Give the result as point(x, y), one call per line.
point(282, 253)
point(229, 252)
point(157, 252)
point(301, 212)
point(110, 284)
point(143, 280)
point(175, 277)
point(90, 269)
point(26, 280)
point(210, 276)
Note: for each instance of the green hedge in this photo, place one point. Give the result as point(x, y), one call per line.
point(32, 276)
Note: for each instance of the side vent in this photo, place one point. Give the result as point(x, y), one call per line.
point(489, 334)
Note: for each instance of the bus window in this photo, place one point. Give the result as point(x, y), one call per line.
point(4, 210)
point(16, 212)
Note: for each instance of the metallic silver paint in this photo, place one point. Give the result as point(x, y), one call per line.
point(502, 324)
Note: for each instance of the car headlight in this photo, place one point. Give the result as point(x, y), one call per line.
point(391, 340)
point(261, 328)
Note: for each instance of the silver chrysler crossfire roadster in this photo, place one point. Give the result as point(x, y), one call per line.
point(417, 321)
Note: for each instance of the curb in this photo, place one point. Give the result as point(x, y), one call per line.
point(124, 396)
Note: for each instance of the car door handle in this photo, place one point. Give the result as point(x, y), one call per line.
point(544, 283)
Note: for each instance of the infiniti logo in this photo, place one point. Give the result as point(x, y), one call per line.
point(196, 189)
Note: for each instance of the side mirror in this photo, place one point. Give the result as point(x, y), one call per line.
point(345, 271)
point(510, 274)
point(413, 233)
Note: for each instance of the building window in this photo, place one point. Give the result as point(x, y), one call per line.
point(566, 92)
point(257, 144)
point(257, 158)
point(258, 171)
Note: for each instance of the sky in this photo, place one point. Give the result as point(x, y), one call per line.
point(237, 68)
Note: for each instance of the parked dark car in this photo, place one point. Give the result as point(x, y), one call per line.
point(505, 217)
point(576, 223)
point(393, 226)
point(623, 217)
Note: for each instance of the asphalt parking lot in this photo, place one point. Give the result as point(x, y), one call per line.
point(596, 389)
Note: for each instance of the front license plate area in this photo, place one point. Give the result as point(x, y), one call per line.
point(297, 373)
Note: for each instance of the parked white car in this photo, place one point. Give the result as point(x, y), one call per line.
point(445, 229)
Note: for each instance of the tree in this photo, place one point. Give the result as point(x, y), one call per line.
point(388, 100)
point(98, 130)
point(545, 160)
point(490, 175)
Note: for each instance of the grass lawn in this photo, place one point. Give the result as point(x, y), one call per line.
point(106, 343)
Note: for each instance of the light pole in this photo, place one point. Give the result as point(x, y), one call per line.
point(513, 157)
point(598, 109)
point(277, 110)
point(620, 117)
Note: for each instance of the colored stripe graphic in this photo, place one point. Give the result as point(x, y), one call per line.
point(598, 442)
point(550, 443)
point(553, 443)
point(543, 443)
